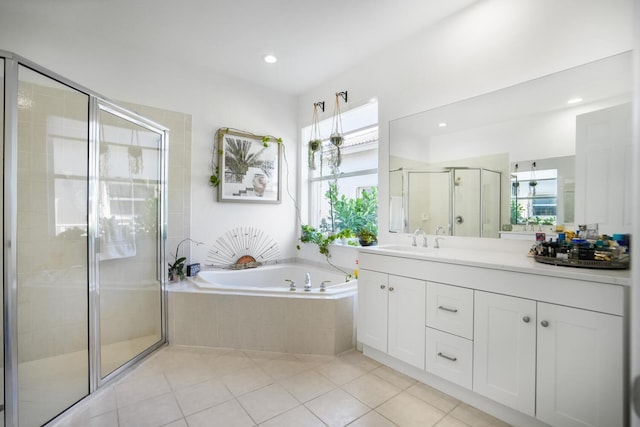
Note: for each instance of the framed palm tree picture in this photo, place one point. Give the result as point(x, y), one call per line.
point(249, 168)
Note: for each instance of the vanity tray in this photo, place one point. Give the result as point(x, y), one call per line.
point(604, 265)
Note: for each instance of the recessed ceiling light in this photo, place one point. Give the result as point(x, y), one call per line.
point(574, 100)
point(442, 125)
point(270, 59)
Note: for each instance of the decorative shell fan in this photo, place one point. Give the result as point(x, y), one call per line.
point(243, 247)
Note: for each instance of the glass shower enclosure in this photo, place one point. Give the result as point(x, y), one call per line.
point(454, 201)
point(83, 241)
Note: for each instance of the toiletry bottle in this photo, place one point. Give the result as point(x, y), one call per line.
point(355, 272)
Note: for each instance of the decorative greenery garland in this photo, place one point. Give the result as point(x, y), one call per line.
point(214, 178)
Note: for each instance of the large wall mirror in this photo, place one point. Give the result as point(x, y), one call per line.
point(550, 151)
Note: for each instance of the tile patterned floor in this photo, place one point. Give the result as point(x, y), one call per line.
point(198, 387)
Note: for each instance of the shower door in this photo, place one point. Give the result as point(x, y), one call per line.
point(429, 199)
point(2, 236)
point(467, 216)
point(127, 200)
point(50, 364)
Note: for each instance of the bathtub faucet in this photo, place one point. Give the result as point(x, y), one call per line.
point(323, 285)
point(292, 284)
point(307, 282)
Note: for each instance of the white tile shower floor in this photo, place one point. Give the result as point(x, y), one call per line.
point(194, 387)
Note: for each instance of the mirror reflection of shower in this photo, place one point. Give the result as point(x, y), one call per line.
point(456, 201)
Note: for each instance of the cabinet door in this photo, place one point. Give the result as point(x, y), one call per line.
point(372, 309)
point(407, 320)
point(580, 367)
point(504, 350)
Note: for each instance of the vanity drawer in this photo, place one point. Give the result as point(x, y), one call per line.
point(450, 309)
point(449, 357)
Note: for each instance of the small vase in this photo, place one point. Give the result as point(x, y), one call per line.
point(259, 184)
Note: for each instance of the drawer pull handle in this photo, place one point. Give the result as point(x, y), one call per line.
point(451, 310)
point(390, 288)
point(544, 323)
point(526, 319)
point(444, 356)
point(382, 286)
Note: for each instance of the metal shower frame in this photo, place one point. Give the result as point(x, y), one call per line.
point(97, 103)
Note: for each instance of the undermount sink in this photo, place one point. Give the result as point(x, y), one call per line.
point(409, 249)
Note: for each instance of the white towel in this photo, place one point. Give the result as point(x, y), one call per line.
point(117, 238)
point(396, 222)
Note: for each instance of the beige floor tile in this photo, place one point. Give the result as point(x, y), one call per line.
point(228, 363)
point(102, 402)
point(190, 373)
point(307, 385)
point(407, 410)
point(162, 391)
point(267, 402)
point(227, 414)
point(340, 372)
point(297, 417)
point(394, 377)
point(372, 419)
point(440, 400)
point(246, 380)
point(371, 390)
point(337, 408)
point(201, 396)
point(357, 358)
point(262, 355)
point(108, 419)
point(475, 418)
point(152, 412)
point(284, 367)
point(131, 392)
point(450, 421)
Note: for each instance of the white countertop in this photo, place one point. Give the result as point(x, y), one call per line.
point(509, 261)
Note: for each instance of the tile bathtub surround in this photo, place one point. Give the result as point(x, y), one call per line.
point(287, 325)
point(196, 386)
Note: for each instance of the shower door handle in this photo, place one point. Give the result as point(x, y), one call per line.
point(459, 219)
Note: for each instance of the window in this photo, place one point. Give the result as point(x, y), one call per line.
point(534, 197)
point(358, 168)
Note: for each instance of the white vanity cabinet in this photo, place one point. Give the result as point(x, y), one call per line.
point(545, 343)
point(391, 315)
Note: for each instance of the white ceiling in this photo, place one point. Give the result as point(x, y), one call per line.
point(313, 40)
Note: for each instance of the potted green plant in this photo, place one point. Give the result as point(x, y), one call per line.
point(176, 268)
point(367, 237)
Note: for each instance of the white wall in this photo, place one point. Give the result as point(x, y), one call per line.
point(490, 45)
point(121, 73)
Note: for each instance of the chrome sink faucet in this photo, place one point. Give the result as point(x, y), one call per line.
point(438, 239)
point(307, 282)
point(419, 231)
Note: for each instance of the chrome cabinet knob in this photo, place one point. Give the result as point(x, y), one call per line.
point(544, 323)
point(391, 289)
point(382, 286)
point(526, 319)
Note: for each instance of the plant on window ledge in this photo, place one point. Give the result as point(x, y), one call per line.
point(347, 217)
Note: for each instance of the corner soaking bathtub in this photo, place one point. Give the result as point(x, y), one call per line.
point(254, 309)
point(275, 280)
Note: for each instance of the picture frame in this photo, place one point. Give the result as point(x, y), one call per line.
point(250, 168)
